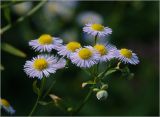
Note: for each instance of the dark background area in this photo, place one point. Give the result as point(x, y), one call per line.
point(135, 25)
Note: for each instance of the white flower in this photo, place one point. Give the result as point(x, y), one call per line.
point(102, 95)
point(45, 43)
point(42, 65)
point(68, 49)
point(22, 8)
point(64, 9)
point(85, 57)
point(89, 17)
point(70, 35)
point(97, 29)
point(106, 51)
point(126, 56)
point(5, 104)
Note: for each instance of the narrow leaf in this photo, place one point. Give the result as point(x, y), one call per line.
point(12, 50)
point(35, 88)
point(110, 72)
point(43, 103)
point(7, 14)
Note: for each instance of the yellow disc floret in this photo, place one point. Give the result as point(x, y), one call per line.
point(126, 53)
point(85, 53)
point(4, 102)
point(101, 49)
point(72, 46)
point(45, 39)
point(40, 64)
point(97, 27)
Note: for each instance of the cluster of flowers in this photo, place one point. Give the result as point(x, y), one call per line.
point(85, 57)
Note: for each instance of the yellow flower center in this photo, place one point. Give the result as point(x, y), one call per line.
point(97, 27)
point(4, 102)
point(72, 46)
point(126, 53)
point(45, 39)
point(40, 64)
point(85, 53)
point(101, 49)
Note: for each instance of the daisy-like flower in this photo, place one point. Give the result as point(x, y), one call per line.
point(126, 56)
point(6, 106)
point(68, 49)
point(85, 57)
point(89, 17)
point(45, 43)
point(106, 51)
point(97, 29)
point(42, 65)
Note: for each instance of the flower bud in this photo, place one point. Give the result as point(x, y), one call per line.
point(102, 95)
point(105, 86)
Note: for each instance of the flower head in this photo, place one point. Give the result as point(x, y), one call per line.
point(85, 57)
point(126, 56)
point(64, 9)
point(69, 48)
point(42, 65)
point(22, 8)
point(106, 51)
point(6, 105)
point(97, 29)
point(89, 17)
point(45, 43)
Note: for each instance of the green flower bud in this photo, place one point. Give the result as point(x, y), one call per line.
point(105, 86)
point(102, 95)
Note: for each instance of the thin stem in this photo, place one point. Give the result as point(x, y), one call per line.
point(95, 39)
point(31, 12)
point(39, 96)
point(34, 107)
point(49, 89)
point(84, 102)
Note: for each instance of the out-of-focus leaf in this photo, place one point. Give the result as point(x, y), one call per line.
point(35, 88)
point(7, 15)
point(12, 50)
point(1, 67)
point(87, 83)
point(110, 72)
point(43, 103)
point(104, 87)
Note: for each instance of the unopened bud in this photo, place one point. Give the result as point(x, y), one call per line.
point(102, 95)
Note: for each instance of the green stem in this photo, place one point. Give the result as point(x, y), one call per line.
point(31, 12)
point(95, 39)
point(84, 102)
point(43, 81)
point(34, 107)
point(49, 89)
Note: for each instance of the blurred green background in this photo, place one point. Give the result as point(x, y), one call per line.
point(135, 25)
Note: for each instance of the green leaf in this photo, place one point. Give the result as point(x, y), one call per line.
point(12, 50)
point(110, 72)
point(1, 67)
point(87, 83)
point(7, 14)
point(35, 88)
point(43, 103)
